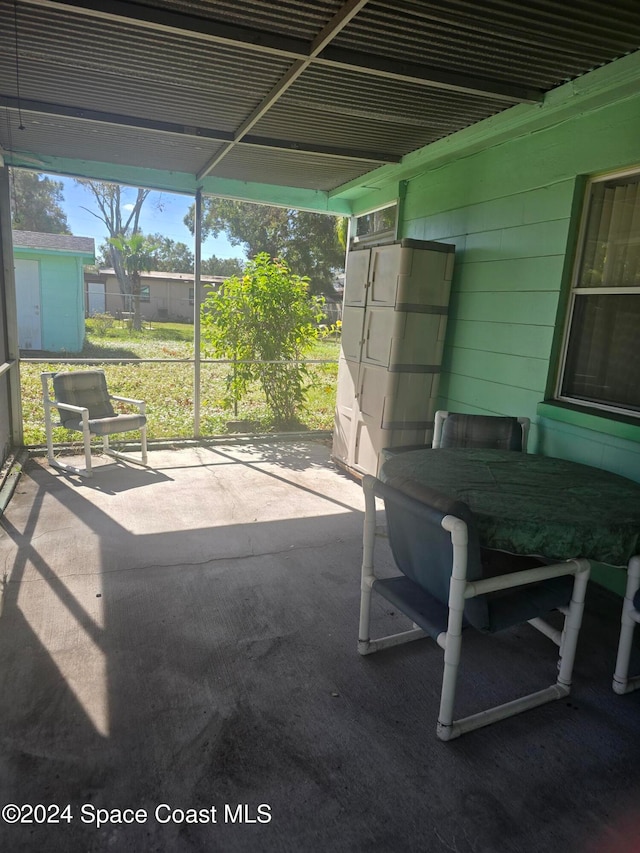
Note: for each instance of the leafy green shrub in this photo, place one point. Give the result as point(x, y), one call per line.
point(265, 320)
point(102, 324)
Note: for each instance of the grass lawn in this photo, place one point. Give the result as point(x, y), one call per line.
point(168, 388)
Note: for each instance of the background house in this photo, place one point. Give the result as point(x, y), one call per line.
point(163, 295)
point(49, 289)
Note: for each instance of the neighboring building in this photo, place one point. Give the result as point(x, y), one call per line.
point(49, 289)
point(338, 283)
point(333, 307)
point(163, 295)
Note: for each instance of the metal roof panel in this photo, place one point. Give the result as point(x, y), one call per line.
point(176, 85)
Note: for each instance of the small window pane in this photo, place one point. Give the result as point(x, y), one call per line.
point(602, 360)
point(377, 222)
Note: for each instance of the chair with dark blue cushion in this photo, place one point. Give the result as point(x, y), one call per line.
point(84, 404)
point(622, 683)
point(453, 429)
point(448, 582)
point(495, 432)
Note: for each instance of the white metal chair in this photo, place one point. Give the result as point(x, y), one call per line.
point(622, 683)
point(447, 582)
point(452, 429)
point(85, 405)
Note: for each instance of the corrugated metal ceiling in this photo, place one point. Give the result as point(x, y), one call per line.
point(299, 93)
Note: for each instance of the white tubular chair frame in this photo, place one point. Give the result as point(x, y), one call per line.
point(441, 416)
point(49, 403)
point(451, 641)
point(622, 683)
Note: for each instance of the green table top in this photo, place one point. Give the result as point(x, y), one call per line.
point(529, 504)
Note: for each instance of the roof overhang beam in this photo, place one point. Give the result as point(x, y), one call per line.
point(340, 20)
point(158, 126)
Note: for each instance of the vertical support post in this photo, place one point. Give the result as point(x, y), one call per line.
point(197, 301)
point(46, 400)
point(9, 311)
point(402, 194)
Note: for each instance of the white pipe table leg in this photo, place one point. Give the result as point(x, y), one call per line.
point(453, 642)
point(86, 438)
point(368, 576)
point(47, 416)
point(143, 443)
point(621, 681)
point(572, 623)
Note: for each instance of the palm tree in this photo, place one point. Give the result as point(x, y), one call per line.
point(137, 254)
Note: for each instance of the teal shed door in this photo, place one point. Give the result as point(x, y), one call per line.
point(28, 304)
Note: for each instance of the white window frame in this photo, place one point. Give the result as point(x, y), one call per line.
point(590, 291)
point(386, 236)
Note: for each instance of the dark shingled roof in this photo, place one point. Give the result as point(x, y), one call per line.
point(55, 242)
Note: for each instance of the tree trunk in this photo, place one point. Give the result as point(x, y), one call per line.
point(137, 319)
point(123, 278)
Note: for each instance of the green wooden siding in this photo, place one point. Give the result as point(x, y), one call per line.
point(507, 338)
point(510, 210)
point(523, 372)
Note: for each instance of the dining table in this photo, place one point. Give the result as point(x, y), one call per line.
point(527, 503)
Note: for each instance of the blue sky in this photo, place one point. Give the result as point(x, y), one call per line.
point(162, 213)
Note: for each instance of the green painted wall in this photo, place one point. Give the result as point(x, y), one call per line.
point(511, 211)
point(61, 299)
point(510, 261)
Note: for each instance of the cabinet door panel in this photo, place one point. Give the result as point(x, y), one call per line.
point(369, 438)
point(372, 390)
point(346, 411)
point(378, 334)
point(343, 435)
point(352, 332)
point(356, 277)
point(348, 372)
point(383, 275)
point(416, 341)
point(410, 401)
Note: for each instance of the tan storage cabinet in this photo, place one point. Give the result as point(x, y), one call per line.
point(394, 321)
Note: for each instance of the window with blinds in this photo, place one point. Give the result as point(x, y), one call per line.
point(601, 365)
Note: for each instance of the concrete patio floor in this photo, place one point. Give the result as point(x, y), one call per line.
point(185, 635)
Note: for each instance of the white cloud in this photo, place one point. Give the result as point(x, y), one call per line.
point(128, 207)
